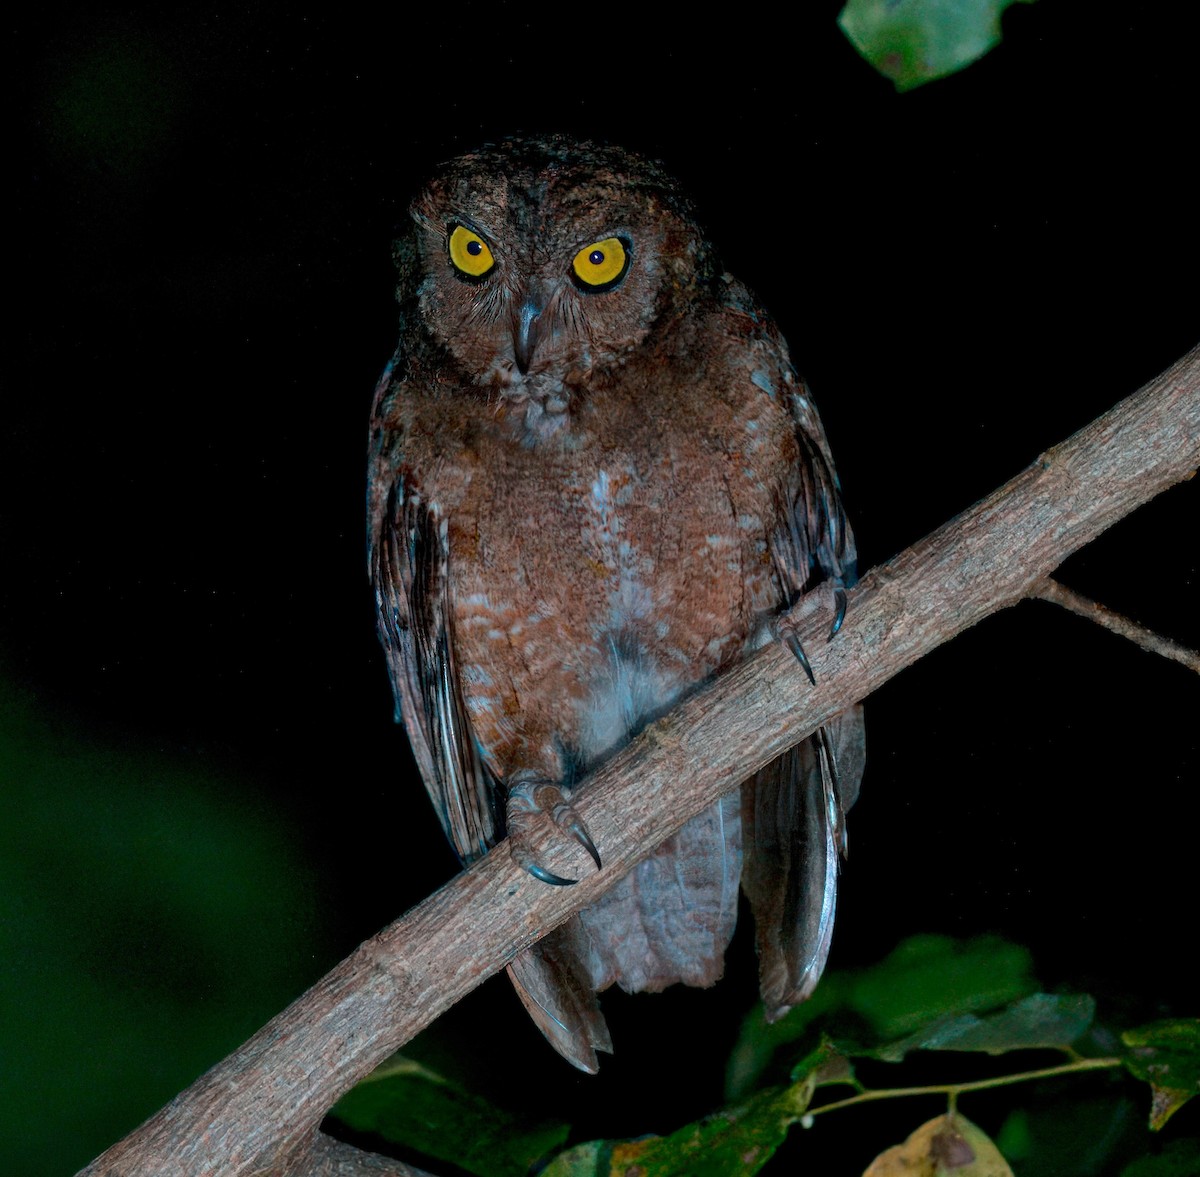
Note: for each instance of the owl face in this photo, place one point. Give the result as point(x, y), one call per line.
point(542, 265)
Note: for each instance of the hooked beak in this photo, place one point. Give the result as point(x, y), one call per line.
point(527, 330)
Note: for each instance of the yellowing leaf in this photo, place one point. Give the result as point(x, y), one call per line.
point(737, 1140)
point(1166, 1055)
point(950, 1146)
point(1164, 1103)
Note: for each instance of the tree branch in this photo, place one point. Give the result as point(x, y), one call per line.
point(1058, 594)
point(335, 1158)
point(257, 1111)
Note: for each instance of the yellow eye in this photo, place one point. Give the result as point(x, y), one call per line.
point(601, 264)
point(469, 252)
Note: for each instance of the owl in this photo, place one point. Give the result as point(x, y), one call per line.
point(595, 482)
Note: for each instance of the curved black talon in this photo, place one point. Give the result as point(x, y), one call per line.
point(564, 816)
point(839, 597)
point(579, 831)
point(793, 644)
point(545, 876)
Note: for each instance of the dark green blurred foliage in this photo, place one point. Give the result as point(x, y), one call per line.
point(150, 920)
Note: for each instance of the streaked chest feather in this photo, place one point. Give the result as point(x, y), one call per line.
point(588, 606)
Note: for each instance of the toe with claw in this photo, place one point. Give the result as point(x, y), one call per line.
point(529, 799)
point(809, 604)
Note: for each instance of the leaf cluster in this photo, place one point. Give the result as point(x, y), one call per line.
point(933, 1000)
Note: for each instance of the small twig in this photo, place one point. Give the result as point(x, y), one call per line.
point(954, 1090)
point(1051, 590)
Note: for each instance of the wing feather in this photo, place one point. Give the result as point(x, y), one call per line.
point(793, 811)
point(409, 566)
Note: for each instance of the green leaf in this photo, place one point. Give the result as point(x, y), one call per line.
point(1069, 1128)
point(822, 1067)
point(927, 977)
point(1040, 1021)
point(1166, 1055)
point(1181, 1158)
point(737, 1140)
point(759, 1040)
point(931, 977)
point(1015, 1138)
point(916, 41)
point(409, 1104)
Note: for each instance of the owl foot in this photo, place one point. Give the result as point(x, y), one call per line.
point(527, 799)
point(808, 604)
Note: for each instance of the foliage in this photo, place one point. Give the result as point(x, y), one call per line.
point(946, 1143)
point(932, 996)
point(406, 1102)
point(916, 41)
point(151, 919)
point(1166, 1055)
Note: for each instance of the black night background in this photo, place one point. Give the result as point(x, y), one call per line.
point(204, 803)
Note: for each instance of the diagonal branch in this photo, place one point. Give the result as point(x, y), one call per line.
point(1058, 594)
point(257, 1111)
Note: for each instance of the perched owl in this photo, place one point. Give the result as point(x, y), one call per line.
point(595, 482)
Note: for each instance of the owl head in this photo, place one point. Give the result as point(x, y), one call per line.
point(540, 265)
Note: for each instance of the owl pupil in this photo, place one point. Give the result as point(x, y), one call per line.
point(474, 248)
point(596, 257)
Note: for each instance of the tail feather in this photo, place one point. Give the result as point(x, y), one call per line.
point(794, 823)
point(560, 1000)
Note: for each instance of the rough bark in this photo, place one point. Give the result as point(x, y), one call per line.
point(257, 1111)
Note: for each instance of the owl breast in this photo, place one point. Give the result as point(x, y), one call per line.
point(634, 565)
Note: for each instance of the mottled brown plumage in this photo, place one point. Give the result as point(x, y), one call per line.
point(595, 480)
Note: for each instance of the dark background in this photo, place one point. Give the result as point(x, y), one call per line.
point(200, 292)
